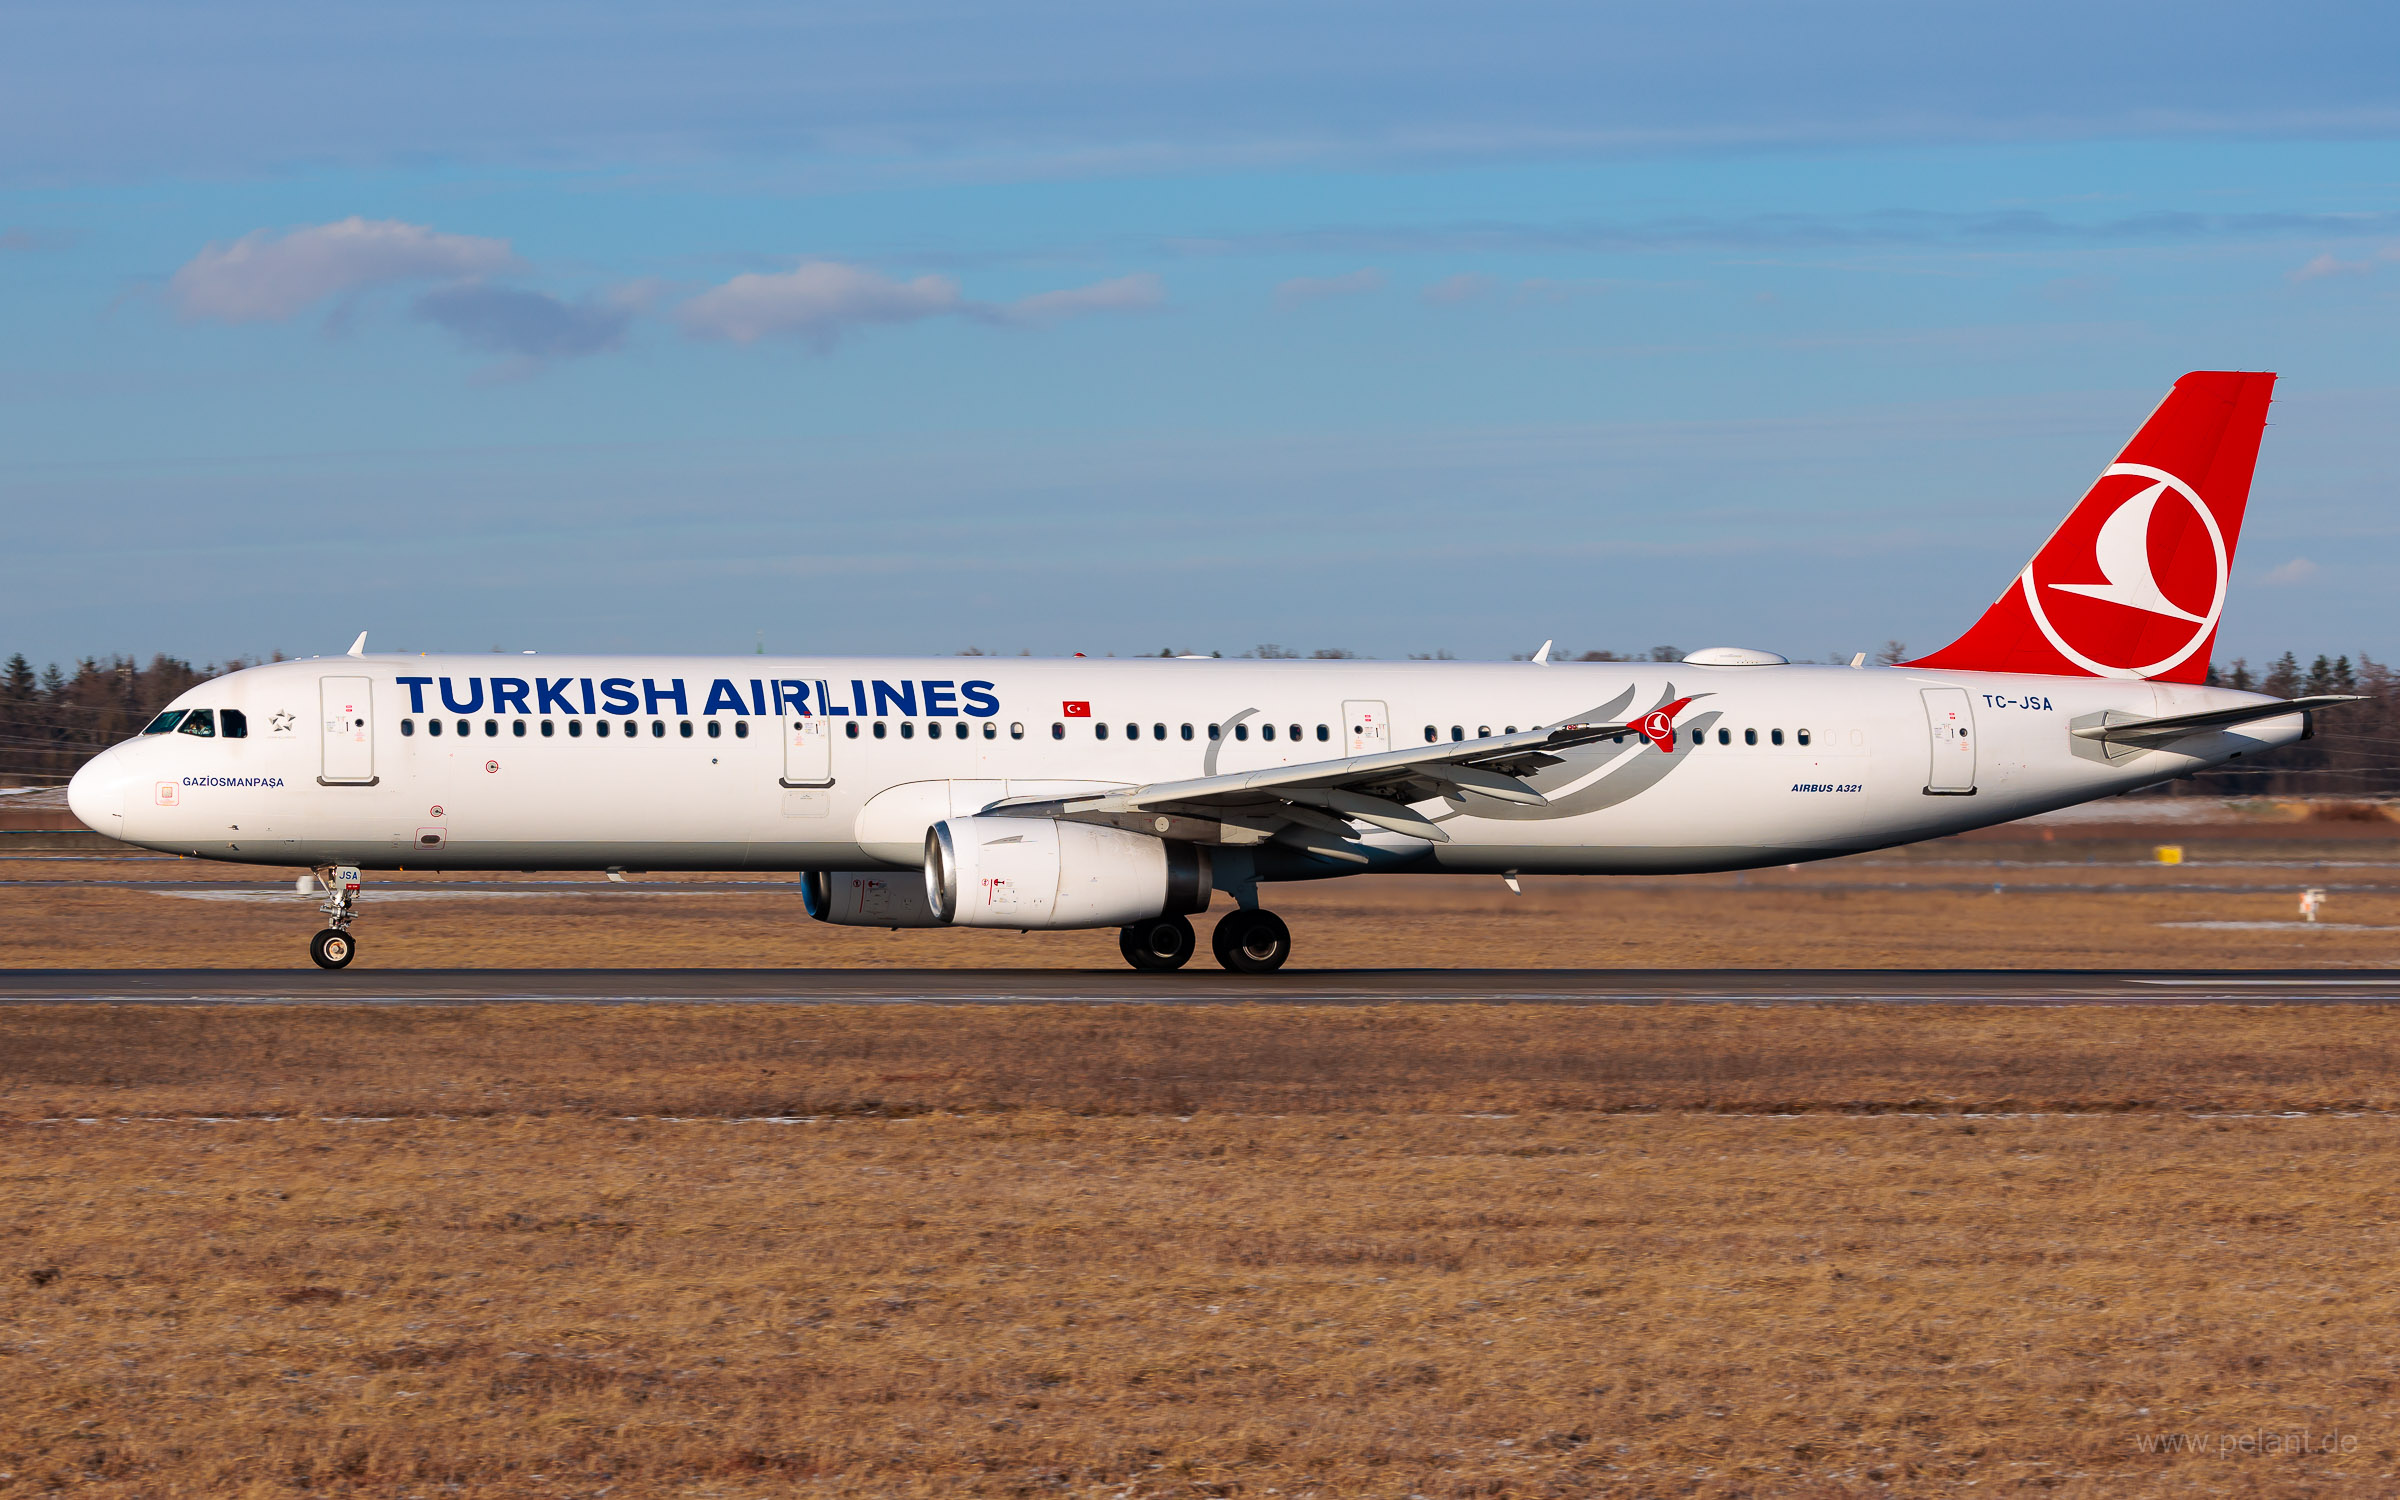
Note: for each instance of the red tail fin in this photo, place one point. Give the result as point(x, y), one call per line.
point(2133, 583)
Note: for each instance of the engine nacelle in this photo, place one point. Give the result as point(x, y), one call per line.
point(1000, 871)
point(852, 898)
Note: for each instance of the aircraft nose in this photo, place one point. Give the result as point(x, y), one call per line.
point(96, 794)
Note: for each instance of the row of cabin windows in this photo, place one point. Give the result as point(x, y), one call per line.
point(207, 723)
point(960, 729)
point(1725, 737)
point(1433, 732)
point(632, 729)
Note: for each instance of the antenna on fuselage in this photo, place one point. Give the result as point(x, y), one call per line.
point(1541, 658)
point(359, 646)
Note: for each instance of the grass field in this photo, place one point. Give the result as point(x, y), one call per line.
point(1439, 1251)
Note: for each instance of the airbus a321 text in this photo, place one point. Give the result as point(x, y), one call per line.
point(1025, 794)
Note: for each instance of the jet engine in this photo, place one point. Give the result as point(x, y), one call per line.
point(854, 898)
point(998, 871)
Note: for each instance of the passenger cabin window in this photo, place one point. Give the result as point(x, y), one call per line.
point(1133, 731)
point(1016, 731)
point(1749, 736)
point(1803, 734)
point(599, 727)
point(741, 729)
point(684, 728)
point(1058, 731)
point(1099, 730)
point(1724, 736)
point(491, 729)
point(233, 724)
point(518, 728)
point(1187, 731)
point(167, 721)
point(1483, 731)
point(1324, 733)
point(658, 729)
point(465, 728)
point(716, 729)
point(851, 729)
point(1431, 734)
point(1457, 732)
point(407, 727)
point(1295, 732)
point(574, 729)
point(1212, 731)
point(1775, 736)
point(1159, 731)
point(548, 729)
point(201, 722)
point(908, 729)
point(1508, 729)
point(1266, 731)
point(434, 728)
point(1241, 731)
point(881, 729)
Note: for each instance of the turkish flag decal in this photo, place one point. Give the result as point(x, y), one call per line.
point(1076, 710)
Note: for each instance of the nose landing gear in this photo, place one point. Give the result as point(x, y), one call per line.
point(334, 947)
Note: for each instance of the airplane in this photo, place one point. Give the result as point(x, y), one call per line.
point(1024, 795)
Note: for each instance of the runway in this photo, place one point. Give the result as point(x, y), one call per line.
point(1199, 986)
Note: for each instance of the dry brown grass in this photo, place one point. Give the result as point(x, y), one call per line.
point(901, 1061)
point(1422, 1251)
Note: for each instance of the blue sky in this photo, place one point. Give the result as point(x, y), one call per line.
point(1108, 328)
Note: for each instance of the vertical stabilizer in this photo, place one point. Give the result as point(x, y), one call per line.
point(2133, 583)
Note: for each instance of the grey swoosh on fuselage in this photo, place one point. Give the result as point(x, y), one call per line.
point(1208, 762)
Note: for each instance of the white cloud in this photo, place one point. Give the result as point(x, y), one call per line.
point(1466, 286)
point(1317, 288)
point(261, 277)
point(1124, 294)
point(2298, 570)
point(2331, 265)
point(817, 301)
point(824, 299)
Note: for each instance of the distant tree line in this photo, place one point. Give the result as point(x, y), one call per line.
point(52, 721)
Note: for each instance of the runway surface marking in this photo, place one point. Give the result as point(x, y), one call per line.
point(1195, 987)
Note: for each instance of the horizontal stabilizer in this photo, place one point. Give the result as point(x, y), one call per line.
point(2155, 732)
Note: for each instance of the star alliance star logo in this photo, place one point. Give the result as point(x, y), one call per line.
point(279, 723)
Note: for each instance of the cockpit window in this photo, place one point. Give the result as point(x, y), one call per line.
point(166, 721)
point(233, 724)
point(200, 721)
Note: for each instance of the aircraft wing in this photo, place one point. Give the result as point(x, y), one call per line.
point(1314, 804)
point(2151, 733)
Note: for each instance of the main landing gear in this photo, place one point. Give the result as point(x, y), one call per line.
point(1247, 942)
point(334, 947)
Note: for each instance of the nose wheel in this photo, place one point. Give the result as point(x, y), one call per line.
point(1251, 942)
point(1157, 945)
point(335, 947)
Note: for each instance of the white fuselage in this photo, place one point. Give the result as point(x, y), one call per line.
point(704, 766)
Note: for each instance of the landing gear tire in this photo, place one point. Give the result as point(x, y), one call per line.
point(333, 948)
point(1158, 944)
point(1251, 942)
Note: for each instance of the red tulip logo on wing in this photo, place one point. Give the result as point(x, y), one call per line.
point(1658, 725)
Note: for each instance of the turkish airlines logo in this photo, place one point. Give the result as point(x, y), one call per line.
point(2123, 552)
point(1658, 725)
